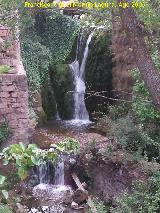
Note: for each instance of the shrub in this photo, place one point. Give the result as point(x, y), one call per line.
point(105, 125)
point(98, 206)
point(142, 105)
point(145, 197)
point(4, 131)
point(119, 111)
point(25, 157)
point(5, 209)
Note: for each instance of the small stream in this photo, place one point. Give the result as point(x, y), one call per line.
point(53, 190)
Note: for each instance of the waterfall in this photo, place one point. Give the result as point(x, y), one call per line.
point(59, 174)
point(80, 111)
point(57, 114)
point(44, 173)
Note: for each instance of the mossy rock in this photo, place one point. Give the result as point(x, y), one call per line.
point(62, 82)
point(99, 72)
point(49, 102)
point(38, 108)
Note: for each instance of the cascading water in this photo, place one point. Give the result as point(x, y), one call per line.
point(59, 173)
point(46, 175)
point(57, 191)
point(80, 111)
point(43, 173)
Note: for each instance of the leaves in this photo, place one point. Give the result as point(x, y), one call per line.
point(142, 105)
point(26, 157)
point(48, 43)
point(2, 179)
point(22, 172)
point(5, 194)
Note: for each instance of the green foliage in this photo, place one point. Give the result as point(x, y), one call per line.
point(119, 111)
point(25, 157)
point(98, 206)
point(58, 33)
point(130, 136)
point(127, 134)
point(4, 132)
point(68, 145)
point(46, 43)
point(145, 197)
point(36, 59)
point(150, 14)
point(5, 209)
point(4, 69)
point(3, 191)
point(142, 105)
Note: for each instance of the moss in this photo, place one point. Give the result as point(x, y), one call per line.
point(49, 102)
point(4, 131)
point(62, 83)
point(99, 71)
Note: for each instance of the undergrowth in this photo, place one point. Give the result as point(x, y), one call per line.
point(4, 132)
point(145, 197)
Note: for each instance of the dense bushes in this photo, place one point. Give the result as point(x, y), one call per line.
point(135, 127)
point(144, 199)
point(142, 104)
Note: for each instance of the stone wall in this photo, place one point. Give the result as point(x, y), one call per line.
point(14, 105)
point(13, 91)
point(123, 62)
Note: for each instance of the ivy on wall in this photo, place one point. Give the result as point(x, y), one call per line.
point(36, 59)
point(46, 44)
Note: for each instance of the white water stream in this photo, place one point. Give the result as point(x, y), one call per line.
point(80, 111)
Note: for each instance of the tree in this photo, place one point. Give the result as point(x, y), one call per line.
point(148, 71)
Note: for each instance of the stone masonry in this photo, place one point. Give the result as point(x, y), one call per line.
point(13, 91)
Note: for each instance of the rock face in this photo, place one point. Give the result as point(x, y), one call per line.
point(62, 84)
point(124, 61)
point(13, 91)
point(108, 176)
point(98, 75)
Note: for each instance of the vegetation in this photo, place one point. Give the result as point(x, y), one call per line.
point(3, 192)
point(47, 38)
point(26, 157)
point(4, 69)
point(145, 197)
point(98, 206)
point(5, 209)
point(4, 132)
point(49, 43)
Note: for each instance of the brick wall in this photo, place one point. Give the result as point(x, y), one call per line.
point(14, 92)
point(14, 105)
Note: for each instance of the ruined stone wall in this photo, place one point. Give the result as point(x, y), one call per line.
point(14, 105)
point(13, 92)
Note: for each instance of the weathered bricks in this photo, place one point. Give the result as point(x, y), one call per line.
point(14, 106)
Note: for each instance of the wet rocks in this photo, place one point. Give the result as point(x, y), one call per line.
point(80, 196)
point(54, 192)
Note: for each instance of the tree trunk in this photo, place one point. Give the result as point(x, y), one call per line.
point(143, 59)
